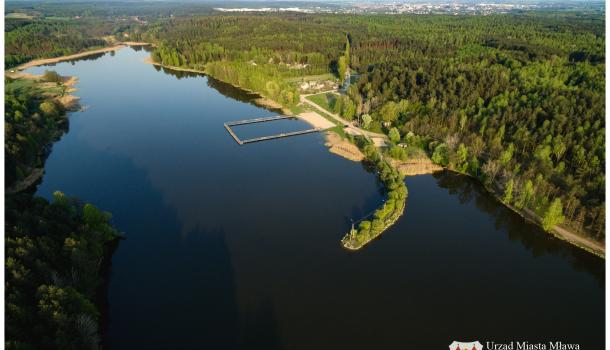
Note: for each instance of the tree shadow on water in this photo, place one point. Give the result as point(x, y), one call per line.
point(532, 237)
point(260, 327)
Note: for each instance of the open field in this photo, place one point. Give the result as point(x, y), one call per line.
point(18, 15)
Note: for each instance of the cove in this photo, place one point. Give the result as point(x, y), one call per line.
point(237, 247)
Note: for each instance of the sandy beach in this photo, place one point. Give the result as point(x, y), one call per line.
point(316, 120)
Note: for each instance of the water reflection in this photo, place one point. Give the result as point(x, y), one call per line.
point(225, 89)
point(238, 247)
point(536, 241)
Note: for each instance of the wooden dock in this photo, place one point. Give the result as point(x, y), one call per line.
point(258, 120)
point(277, 136)
point(233, 134)
point(228, 126)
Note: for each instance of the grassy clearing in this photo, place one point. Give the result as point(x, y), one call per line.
point(339, 130)
point(410, 153)
point(325, 100)
point(18, 15)
point(298, 109)
point(326, 76)
point(22, 84)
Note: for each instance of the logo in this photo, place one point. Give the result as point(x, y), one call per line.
point(457, 345)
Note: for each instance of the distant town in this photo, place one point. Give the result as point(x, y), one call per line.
point(456, 8)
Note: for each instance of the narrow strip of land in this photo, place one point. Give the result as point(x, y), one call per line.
point(43, 61)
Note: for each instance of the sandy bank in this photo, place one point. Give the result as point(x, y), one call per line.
point(316, 120)
point(69, 102)
point(342, 147)
point(43, 61)
point(266, 102)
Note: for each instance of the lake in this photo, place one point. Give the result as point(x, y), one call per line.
point(238, 247)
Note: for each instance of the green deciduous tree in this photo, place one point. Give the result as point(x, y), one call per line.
point(394, 135)
point(525, 195)
point(508, 192)
point(389, 111)
point(441, 155)
point(553, 215)
point(366, 121)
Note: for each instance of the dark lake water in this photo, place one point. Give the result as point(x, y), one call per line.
point(237, 247)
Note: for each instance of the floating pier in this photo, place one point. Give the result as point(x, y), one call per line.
point(228, 126)
point(258, 120)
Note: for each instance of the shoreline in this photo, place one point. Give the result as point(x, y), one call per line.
point(346, 241)
point(43, 61)
point(148, 60)
point(342, 147)
point(261, 100)
point(25, 183)
point(559, 232)
point(311, 117)
point(377, 222)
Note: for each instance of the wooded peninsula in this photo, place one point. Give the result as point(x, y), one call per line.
point(520, 107)
point(516, 101)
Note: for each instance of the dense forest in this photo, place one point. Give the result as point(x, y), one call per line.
point(279, 50)
point(43, 36)
point(31, 123)
point(522, 109)
point(516, 101)
point(55, 252)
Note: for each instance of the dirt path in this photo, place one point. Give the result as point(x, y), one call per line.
point(350, 128)
point(590, 245)
point(595, 247)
